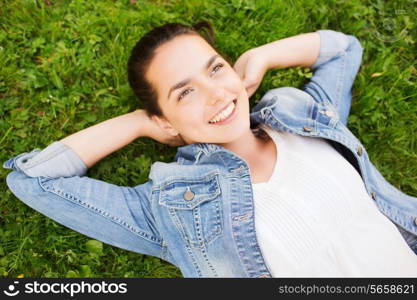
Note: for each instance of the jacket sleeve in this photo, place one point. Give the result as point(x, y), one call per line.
point(335, 70)
point(51, 182)
point(56, 160)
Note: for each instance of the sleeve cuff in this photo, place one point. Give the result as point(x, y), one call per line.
point(332, 43)
point(56, 160)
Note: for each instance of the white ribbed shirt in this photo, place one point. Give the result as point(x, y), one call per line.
point(314, 218)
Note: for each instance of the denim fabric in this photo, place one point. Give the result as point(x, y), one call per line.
point(197, 212)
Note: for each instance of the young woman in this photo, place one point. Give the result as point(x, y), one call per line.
point(284, 190)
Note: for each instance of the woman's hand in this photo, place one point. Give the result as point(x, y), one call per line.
point(152, 130)
point(251, 66)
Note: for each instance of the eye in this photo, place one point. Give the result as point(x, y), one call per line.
point(220, 65)
point(183, 94)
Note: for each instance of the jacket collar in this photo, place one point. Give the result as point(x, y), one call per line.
point(195, 152)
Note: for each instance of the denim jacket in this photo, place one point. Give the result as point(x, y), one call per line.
point(197, 212)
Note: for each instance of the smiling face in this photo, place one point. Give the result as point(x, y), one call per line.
point(196, 86)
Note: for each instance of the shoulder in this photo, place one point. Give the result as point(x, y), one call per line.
point(284, 96)
point(162, 173)
point(161, 169)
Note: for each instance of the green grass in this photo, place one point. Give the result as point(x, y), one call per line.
point(62, 69)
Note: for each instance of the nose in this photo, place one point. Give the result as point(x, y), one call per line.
point(216, 94)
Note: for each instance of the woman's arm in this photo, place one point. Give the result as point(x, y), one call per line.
point(74, 154)
point(98, 141)
point(51, 181)
point(334, 56)
point(299, 50)
point(335, 71)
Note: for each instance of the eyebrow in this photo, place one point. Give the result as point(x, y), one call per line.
point(187, 80)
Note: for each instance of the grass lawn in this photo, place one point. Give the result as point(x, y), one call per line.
point(63, 68)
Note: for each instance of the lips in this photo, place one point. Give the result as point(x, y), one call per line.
point(224, 113)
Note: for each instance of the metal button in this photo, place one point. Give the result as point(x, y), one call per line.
point(189, 195)
point(373, 194)
point(360, 150)
point(308, 129)
point(415, 221)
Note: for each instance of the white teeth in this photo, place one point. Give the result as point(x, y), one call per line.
point(224, 113)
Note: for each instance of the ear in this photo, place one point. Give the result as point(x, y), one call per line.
point(165, 125)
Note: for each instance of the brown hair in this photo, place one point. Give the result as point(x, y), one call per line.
point(143, 53)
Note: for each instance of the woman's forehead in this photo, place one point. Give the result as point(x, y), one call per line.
point(183, 46)
point(179, 59)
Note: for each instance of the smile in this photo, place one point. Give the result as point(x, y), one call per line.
point(226, 115)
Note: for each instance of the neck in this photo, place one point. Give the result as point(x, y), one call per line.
point(253, 146)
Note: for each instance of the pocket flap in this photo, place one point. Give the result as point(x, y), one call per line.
point(183, 193)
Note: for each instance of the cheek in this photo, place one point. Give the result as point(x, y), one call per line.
point(191, 114)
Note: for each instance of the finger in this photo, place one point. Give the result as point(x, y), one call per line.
point(249, 91)
point(249, 82)
point(239, 71)
point(252, 89)
point(240, 66)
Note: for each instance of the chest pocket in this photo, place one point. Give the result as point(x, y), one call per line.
point(195, 207)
